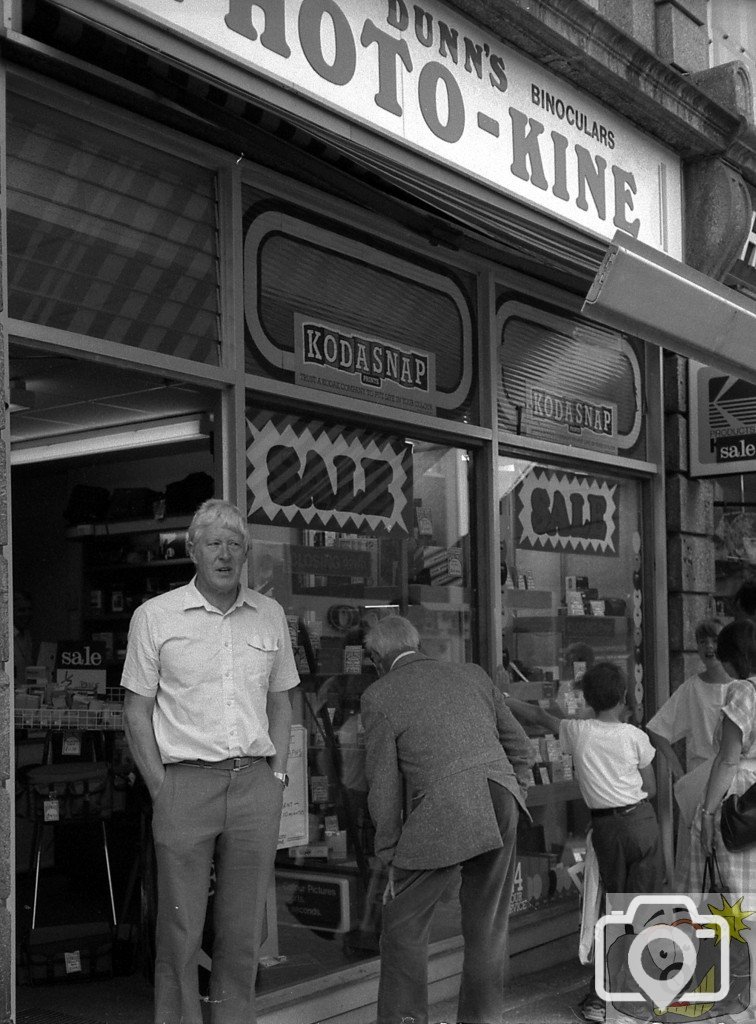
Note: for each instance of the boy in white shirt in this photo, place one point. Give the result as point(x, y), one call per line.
point(613, 768)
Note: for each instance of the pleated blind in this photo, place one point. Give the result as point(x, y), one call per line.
point(109, 237)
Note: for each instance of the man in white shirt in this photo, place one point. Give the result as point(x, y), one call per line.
point(208, 671)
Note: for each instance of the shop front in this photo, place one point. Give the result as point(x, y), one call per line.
point(415, 415)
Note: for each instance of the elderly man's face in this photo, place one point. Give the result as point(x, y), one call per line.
point(219, 554)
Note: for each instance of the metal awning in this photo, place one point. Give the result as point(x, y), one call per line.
point(644, 292)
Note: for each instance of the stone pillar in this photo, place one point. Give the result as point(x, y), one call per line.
point(636, 18)
point(682, 37)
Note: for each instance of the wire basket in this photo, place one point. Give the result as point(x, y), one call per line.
point(69, 718)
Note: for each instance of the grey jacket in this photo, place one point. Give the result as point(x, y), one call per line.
point(435, 733)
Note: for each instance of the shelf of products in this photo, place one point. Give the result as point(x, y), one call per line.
point(124, 564)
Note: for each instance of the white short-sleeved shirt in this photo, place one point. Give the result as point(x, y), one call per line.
point(692, 713)
point(210, 672)
point(608, 757)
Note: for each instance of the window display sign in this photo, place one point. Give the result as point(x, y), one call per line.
point(302, 473)
point(722, 422)
point(294, 829)
point(564, 512)
point(333, 358)
point(558, 414)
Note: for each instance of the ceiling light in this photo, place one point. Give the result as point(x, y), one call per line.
point(99, 442)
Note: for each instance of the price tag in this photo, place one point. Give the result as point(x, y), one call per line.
point(52, 809)
point(73, 962)
point(71, 745)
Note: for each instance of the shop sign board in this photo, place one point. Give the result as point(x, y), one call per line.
point(337, 359)
point(433, 81)
point(722, 422)
point(565, 512)
point(301, 472)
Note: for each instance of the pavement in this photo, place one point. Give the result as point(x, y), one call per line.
point(550, 996)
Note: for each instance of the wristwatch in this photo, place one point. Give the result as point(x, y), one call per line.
point(283, 778)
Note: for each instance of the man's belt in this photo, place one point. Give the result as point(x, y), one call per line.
point(231, 764)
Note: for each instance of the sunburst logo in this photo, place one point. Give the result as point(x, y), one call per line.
point(734, 915)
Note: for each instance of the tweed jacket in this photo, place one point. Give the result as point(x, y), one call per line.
point(435, 733)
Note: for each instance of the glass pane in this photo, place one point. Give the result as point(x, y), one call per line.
point(734, 539)
point(109, 238)
point(572, 596)
point(386, 533)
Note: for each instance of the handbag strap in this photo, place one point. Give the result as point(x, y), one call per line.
point(712, 873)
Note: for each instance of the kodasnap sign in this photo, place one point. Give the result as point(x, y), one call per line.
point(434, 81)
point(335, 358)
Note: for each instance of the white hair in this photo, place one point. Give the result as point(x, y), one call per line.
point(217, 511)
point(391, 634)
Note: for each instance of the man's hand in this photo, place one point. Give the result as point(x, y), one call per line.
point(388, 892)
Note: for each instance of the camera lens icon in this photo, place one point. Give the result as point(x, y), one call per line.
point(662, 957)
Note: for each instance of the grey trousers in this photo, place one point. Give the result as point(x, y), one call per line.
point(485, 894)
point(201, 815)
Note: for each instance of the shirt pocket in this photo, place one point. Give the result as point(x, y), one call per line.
point(260, 652)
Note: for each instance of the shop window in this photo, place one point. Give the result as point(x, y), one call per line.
point(348, 525)
point(569, 381)
point(734, 540)
point(572, 596)
point(299, 276)
point(108, 237)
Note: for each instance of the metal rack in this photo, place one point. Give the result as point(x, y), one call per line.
point(105, 719)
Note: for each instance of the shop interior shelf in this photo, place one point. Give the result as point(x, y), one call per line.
point(155, 563)
point(440, 597)
point(69, 718)
point(532, 599)
point(556, 791)
point(83, 530)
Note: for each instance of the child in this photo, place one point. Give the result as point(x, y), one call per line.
point(691, 714)
point(613, 768)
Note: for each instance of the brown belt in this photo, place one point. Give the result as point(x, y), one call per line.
point(232, 764)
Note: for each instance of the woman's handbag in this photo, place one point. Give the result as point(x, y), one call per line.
point(712, 877)
point(738, 821)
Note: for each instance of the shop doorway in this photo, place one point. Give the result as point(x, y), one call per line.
point(107, 466)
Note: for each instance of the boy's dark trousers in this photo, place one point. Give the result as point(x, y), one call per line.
point(628, 850)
